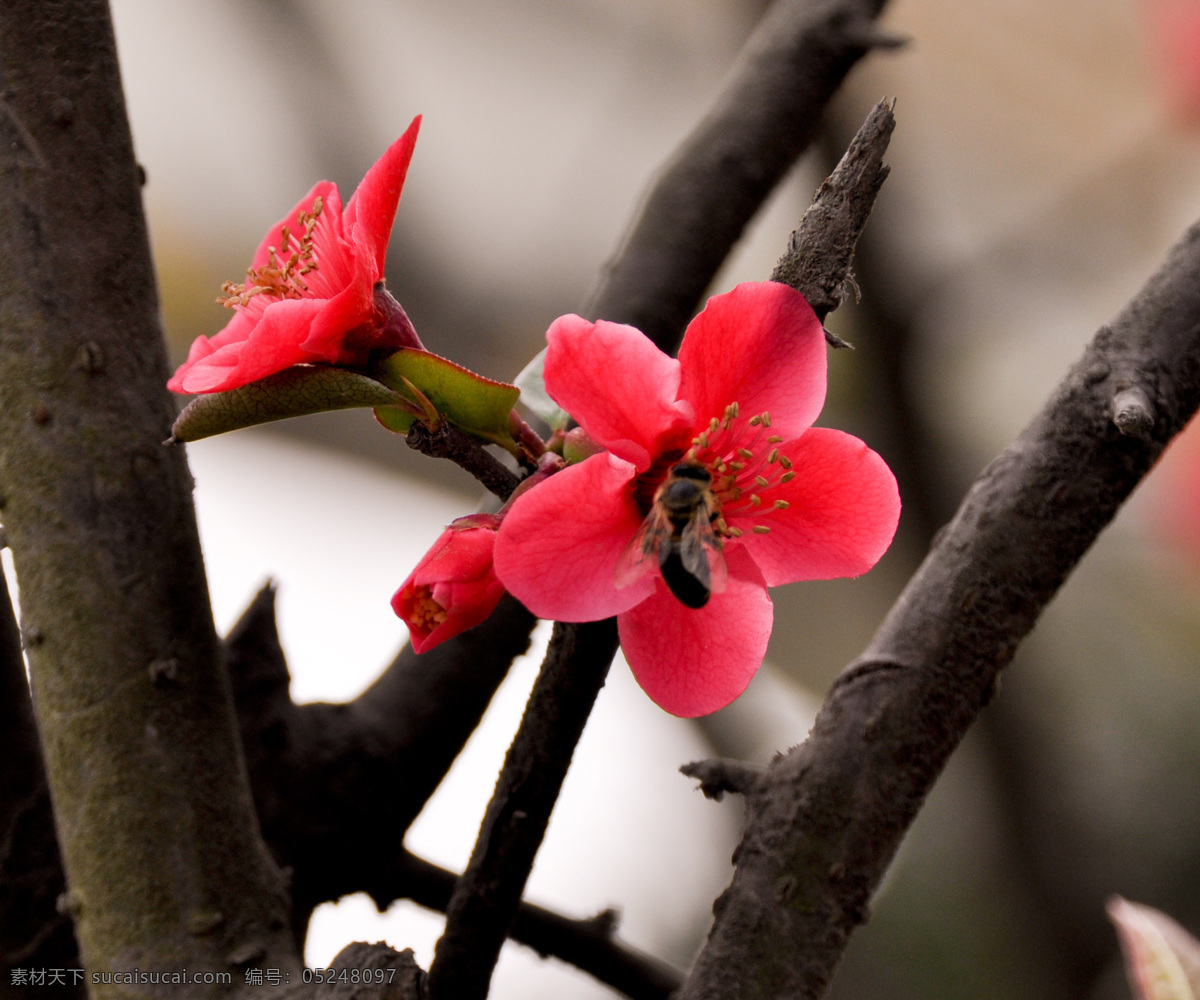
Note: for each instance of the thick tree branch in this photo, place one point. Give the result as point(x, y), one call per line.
point(825, 820)
point(765, 117)
point(164, 862)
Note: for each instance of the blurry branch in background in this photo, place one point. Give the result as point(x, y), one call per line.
point(824, 821)
point(767, 115)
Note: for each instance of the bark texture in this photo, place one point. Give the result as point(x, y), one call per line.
point(164, 862)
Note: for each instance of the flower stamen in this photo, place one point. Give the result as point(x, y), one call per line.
point(426, 613)
point(280, 277)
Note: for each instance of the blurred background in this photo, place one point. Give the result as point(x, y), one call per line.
point(1046, 156)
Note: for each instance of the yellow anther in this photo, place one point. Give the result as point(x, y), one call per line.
point(735, 532)
point(755, 421)
point(785, 461)
point(773, 455)
point(746, 453)
point(755, 500)
point(775, 439)
point(782, 505)
point(761, 529)
point(766, 419)
point(787, 477)
point(762, 481)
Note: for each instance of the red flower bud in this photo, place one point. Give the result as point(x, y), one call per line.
point(454, 586)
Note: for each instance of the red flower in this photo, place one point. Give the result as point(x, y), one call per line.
point(454, 586)
point(714, 487)
point(313, 293)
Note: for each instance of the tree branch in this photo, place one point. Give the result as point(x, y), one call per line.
point(766, 116)
point(152, 806)
point(817, 260)
point(449, 442)
point(824, 821)
point(485, 900)
point(317, 770)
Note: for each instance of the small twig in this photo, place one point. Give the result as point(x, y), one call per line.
point(721, 775)
point(449, 442)
point(589, 945)
point(817, 260)
point(484, 903)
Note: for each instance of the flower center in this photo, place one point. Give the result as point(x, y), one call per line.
point(282, 276)
point(426, 613)
point(745, 464)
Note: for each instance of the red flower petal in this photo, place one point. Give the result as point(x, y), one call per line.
point(619, 387)
point(842, 513)
point(372, 209)
point(761, 346)
point(695, 662)
point(272, 344)
point(559, 543)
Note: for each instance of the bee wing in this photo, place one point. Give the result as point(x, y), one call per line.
point(700, 553)
point(635, 560)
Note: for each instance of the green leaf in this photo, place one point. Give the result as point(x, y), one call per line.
point(532, 383)
point(1162, 960)
point(292, 392)
point(477, 405)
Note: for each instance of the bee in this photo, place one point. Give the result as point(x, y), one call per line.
point(679, 533)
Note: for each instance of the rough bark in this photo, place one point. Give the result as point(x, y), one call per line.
point(164, 862)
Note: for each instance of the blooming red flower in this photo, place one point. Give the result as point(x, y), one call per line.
point(767, 498)
point(313, 293)
point(454, 586)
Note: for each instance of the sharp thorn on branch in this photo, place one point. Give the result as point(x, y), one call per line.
point(719, 776)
